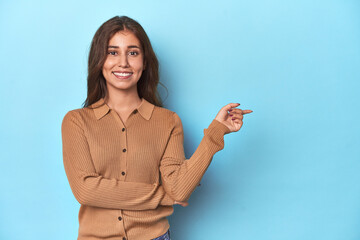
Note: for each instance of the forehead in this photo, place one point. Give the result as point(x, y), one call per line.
point(124, 38)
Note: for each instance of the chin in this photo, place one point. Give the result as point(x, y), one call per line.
point(122, 86)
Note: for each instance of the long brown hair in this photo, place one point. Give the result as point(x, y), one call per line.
point(96, 83)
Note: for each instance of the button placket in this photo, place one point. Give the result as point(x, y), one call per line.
point(124, 155)
point(122, 159)
point(124, 131)
point(120, 219)
point(123, 147)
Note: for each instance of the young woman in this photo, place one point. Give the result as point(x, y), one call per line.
point(123, 152)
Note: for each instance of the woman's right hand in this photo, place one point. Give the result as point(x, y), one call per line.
point(183, 204)
point(234, 119)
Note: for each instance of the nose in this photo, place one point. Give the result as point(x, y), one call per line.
point(123, 61)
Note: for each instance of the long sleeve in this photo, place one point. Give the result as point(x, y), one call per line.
point(180, 176)
point(90, 188)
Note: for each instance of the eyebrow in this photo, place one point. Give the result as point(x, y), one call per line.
point(131, 46)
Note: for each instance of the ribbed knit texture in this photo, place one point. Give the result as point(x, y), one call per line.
point(126, 176)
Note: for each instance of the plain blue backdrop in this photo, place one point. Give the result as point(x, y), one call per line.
point(290, 173)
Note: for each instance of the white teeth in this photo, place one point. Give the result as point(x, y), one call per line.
point(122, 74)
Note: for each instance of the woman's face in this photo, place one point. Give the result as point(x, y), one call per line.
point(124, 63)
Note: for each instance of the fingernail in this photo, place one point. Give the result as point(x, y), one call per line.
point(230, 110)
point(233, 118)
point(230, 115)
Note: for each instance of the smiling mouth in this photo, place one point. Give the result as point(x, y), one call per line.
point(122, 75)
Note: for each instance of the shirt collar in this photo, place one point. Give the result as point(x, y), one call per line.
point(145, 108)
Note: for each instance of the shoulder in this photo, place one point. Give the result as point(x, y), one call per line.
point(164, 112)
point(76, 116)
point(171, 117)
point(74, 113)
point(71, 119)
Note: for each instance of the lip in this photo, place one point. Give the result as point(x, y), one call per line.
point(122, 71)
point(122, 77)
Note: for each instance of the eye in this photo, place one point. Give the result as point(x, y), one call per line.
point(133, 53)
point(112, 53)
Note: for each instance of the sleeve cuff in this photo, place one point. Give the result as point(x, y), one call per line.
point(217, 129)
point(221, 126)
point(215, 134)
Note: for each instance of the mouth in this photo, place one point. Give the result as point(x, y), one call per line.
point(122, 75)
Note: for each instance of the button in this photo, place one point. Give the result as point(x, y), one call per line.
point(123, 129)
point(120, 218)
point(135, 111)
point(123, 173)
point(124, 150)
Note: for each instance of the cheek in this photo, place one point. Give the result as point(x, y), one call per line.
point(108, 64)
point(106, 70)
point(137, 64)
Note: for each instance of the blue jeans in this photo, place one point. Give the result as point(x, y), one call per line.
point(165, 236)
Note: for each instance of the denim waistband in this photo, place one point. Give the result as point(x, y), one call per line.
point(165, 236)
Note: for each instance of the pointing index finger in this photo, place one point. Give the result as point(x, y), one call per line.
point(246, 111)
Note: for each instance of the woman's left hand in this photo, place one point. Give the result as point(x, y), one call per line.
point(183, 204)
point(232, 117)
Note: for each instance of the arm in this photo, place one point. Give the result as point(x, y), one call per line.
point(180, 177)
point(90, 188)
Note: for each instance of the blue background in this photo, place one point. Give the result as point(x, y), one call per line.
point(291, 172)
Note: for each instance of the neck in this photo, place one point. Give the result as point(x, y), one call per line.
point(123, 100)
